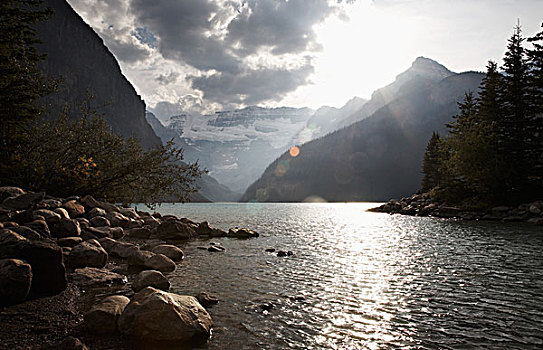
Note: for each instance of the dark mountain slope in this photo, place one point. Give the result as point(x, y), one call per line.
point(372, 160)
point(77, 55)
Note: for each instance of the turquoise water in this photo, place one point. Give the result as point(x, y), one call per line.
point(363, 280)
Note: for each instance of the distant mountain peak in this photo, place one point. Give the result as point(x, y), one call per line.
point(426, 67)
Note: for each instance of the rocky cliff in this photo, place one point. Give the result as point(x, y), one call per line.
point(78, 56)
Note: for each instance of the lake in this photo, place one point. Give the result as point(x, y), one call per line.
point(361, 280)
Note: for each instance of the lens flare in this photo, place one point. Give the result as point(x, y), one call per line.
point(294, 151)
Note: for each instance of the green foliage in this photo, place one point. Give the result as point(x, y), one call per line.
point(84, 156)
point(430, 164)
point(494, 149)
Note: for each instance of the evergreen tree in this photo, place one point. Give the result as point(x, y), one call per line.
point(20, 82)
point(516, 130)
point(430, 164)
point(536, 90)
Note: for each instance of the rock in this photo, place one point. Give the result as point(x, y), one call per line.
point(117, 232)
point(172, 230)
point(207, 300)
point(150, 221)
point(129, 213)
point(98, 221)
point(62, 212)
point(67, 228)
point(40, 226)
point(117, 219)
point(8, 236)
point(159, 262)
point(150, 278)
point(74, 209)
point(119, 249)
point(103, 317)
point(134, 223)
point(215, 248)
point(155, 316)
point(45, 258)
point(52, 204)
point(204, 229)
point(9, 191)
point(533, 209)
point(87, 254)
point(15, 281)
point(142, 233)
point(69, 343)
point(170, 251)
point(151, 243)
point(91, 276)
point(266, 306)
point(27, 232)
point(270, 250)
point(96, 212)
point(50, 216)
point(290, 253)
point(23, 201)
point(10, 224)
point(242, 233)
point(139, 257)
point(281, 253)
point(69, 241)
point(99, 232)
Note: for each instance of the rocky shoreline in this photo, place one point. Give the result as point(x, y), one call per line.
point(423, 205)
point(76, 271)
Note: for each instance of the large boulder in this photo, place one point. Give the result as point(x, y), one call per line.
point(139, 232)
point(62, 212)
point(67, 228)
point(40, 226)
point(23, 201)
point(103, 317)
point(96, 212)
point(92, 276)
point(69, 241)
point(157, 317)
point(15, 281)
point(118, 219)
point(174, 230)
point(159, 262)
point(45, 258)
point(170, 251)
point(50, 216)
point(98, 221)
point(242, 233)
point(205, 230)
point(129, 213)
point(87, 254)
point(139, 257)
point(27, 232)
point(90, 203)
point(118, 249)
point(150, 278)
point(10, 191)
point(74, 209)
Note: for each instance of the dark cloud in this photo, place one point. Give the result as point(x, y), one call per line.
point(251, 86)
point(164, 79)
point(285, 26)
point(216, 37)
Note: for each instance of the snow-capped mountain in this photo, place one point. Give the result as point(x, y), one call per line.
point(235, 146)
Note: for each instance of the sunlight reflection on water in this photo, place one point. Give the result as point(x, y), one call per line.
point(364, 280)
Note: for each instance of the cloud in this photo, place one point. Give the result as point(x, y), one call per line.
point(243, 52)
point(251, 86)
point(164, 79)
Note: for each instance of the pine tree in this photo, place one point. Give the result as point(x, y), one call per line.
point(536, 90)
point(430, 164)
point(21, 84)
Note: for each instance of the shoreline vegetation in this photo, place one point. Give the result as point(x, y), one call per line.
point(424, 205)
point(79, 271)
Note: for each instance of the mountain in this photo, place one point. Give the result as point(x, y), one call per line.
point(327, 119)
point(379, 157)
point(423, 73)
point(235, 146)
point(78, 56)
point(210, 188)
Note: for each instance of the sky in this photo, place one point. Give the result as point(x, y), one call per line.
point(200, 56)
